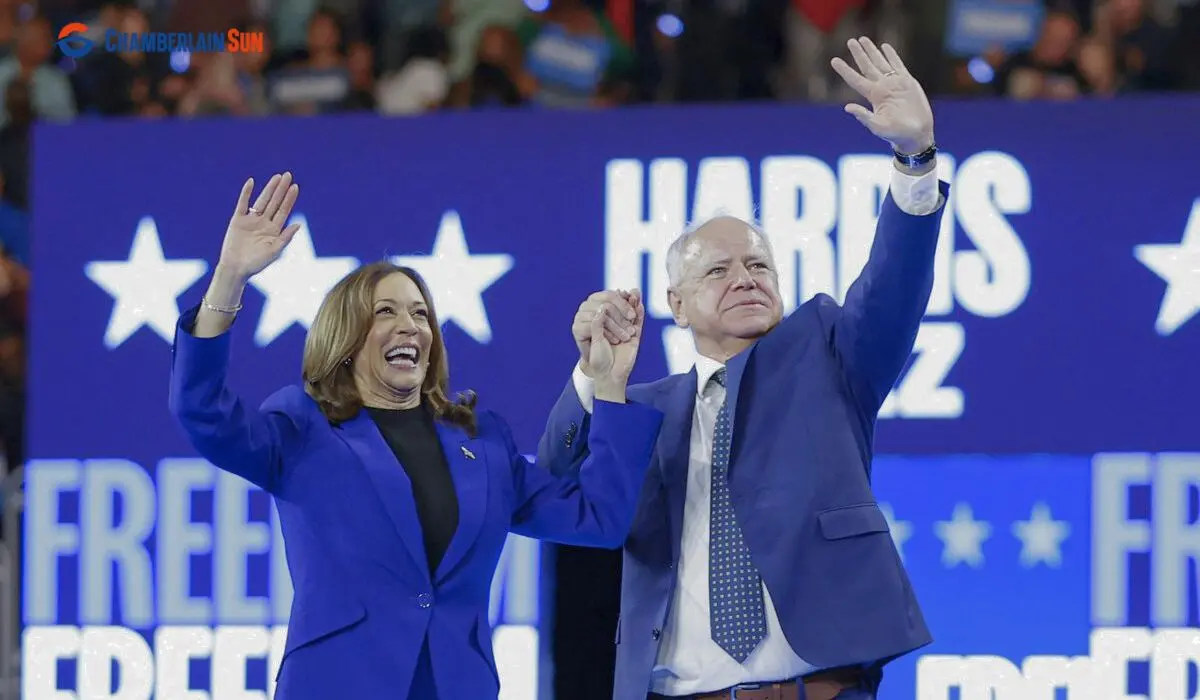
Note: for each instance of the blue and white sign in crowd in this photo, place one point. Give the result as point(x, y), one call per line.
point(1039, 460)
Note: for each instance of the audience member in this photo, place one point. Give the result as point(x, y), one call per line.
point(465, 20)
point(317, 78)
point(1141, 46)
point(14, 288)
point(50, 90)
point(14, 143)
point(119, 83)
point(499, 78)
point(9, 24)
point(360, 71)
point(1050, 69)
point(423, 82)
point(575, 55)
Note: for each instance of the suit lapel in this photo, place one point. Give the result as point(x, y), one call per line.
point(677, 404)
point(735, 372)
point(469, 470)
point(391, 485)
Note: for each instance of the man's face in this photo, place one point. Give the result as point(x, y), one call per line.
point(729, 289)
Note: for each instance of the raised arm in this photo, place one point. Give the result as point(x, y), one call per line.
point(596, 506)
point(221, 427)
point(617, 316)
point(593, 457)
point(564, 444)
point(255, 238)
point(224, 430)
point(877, 325)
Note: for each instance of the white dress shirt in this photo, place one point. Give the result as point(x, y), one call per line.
point(689, 661)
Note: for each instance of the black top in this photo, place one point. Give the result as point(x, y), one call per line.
point(414, 440)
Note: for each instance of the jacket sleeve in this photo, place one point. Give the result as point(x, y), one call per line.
point(877, 326)
point(224, 430)
point(596, 506)
point(564, 444)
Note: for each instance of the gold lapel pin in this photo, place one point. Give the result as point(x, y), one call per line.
point(467, 453)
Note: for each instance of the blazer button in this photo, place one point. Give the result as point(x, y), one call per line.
point(425, 600)
point(656, 633)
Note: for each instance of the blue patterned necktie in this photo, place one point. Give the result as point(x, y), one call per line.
point(737, 615)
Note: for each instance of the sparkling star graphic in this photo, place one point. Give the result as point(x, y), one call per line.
point(295, 284)
point(457, 279)
point(901, 529)
point(962, 537)
point(1178, 266)
point(1041, 537)
point(145, 288)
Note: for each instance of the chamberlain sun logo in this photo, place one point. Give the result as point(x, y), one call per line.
point(72, 42)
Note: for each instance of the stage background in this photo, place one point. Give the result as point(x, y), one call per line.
point(1039, 458)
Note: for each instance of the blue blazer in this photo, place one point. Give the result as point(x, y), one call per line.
point(805, 398)
point(365, 601)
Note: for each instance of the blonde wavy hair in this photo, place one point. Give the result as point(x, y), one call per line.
point(339, 332)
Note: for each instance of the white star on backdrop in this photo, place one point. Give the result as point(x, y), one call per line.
point(145, 288)
point(457, 279)
point(295, 284)
point(901, 529)
point(962, 537)
point(1041, 537)
point(1178, 266)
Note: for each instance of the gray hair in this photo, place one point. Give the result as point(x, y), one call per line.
point(679, 245)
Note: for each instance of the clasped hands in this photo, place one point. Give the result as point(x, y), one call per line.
point(608, 330)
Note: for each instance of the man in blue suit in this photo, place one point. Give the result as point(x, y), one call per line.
point(759, 566)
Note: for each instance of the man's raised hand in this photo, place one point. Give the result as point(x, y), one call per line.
point(900, 111)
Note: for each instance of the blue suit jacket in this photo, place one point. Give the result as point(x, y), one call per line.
point(365, 600)
point(805, 398)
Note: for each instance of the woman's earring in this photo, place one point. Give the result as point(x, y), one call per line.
point(346, 362)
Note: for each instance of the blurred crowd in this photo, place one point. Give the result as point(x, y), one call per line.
point(403, 57)
point(1118, 47)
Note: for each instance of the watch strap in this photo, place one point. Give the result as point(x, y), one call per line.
point(916, 160)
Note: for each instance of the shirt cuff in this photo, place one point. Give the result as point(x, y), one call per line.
point(585, 389)
point(916, 195)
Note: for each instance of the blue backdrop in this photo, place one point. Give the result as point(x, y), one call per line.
point(1040, 455)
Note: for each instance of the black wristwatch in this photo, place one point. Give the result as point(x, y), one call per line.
point(916, 160)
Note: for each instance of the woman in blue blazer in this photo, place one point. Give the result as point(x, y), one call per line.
point(394, 500)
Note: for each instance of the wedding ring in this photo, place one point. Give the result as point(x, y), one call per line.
point(254, 211)
point(889, 73)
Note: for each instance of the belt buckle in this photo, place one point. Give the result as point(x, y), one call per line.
point(736, 690)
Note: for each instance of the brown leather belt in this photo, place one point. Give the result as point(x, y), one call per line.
point(819, 686)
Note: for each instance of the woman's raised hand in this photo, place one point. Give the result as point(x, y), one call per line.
point(257, 234)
